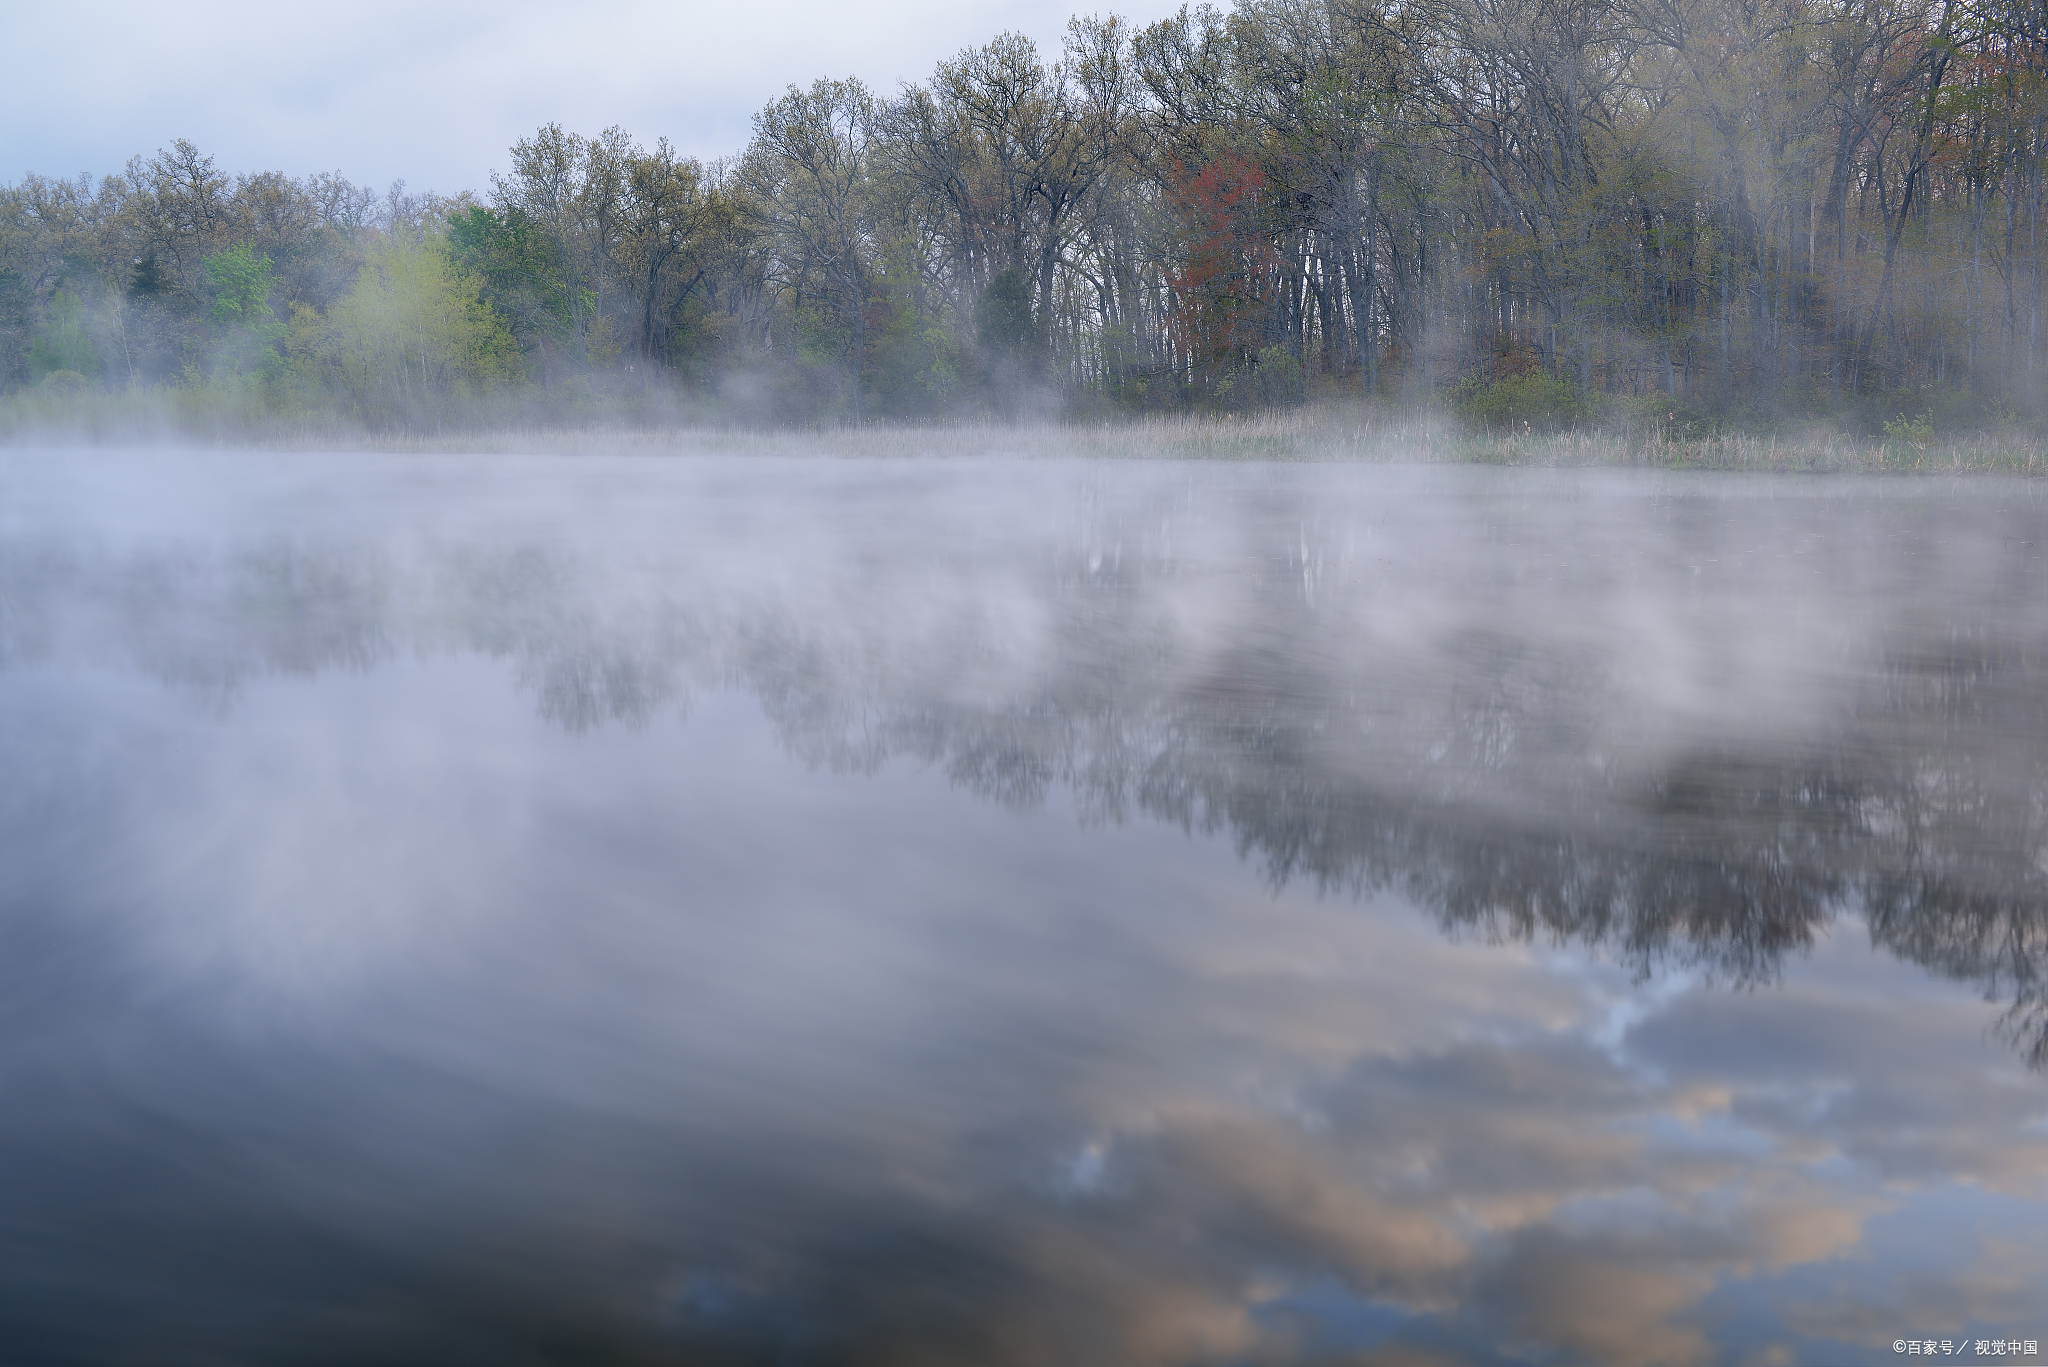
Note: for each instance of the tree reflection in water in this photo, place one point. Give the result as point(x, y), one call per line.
point(1509, 769)
point(1483, 796)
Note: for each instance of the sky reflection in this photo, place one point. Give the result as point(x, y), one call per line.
point(1040, 913)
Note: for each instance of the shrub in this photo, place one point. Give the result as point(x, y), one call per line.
point(1906, 432)
point(1531, 399)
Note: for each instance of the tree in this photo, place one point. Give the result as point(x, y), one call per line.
point(242, 283)
point(570, 195)
point(808, 183)
point(1222, 287)
point(1756, 207)
point(672, 223)
point(63, 346)
point(414, 334)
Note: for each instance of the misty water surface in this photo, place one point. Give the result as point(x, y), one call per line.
point(579, 910)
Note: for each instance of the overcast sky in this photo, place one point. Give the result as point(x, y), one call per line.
point(435, 92)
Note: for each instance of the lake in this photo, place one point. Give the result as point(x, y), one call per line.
point(727, 910)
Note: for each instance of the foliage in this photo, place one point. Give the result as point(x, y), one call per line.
point(1907, 433)
point(1003, 325)
point(62, 347)
point(505, 253)
point(415, 333)
point(1219, 314)
point(1531, 400)
point(915, 367)
point(242, 283)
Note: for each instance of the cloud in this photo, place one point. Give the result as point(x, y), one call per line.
point(434, 94)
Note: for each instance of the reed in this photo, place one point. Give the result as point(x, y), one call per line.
point(213, 419)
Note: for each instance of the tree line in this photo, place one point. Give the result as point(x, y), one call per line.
point(1539, 211)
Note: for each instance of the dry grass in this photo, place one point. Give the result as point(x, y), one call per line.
point(1366, 435)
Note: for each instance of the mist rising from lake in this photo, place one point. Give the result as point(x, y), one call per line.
point(1016, 912)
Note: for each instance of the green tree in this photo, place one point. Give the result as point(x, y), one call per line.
point(242, 281)
point(516, 268)
point(808, 180)
point(62, 345)
point(914, 363)
point(1002, 318)
point(415, 332)
point(241, 287)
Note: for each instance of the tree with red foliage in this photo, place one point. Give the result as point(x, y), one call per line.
point(1220, 293)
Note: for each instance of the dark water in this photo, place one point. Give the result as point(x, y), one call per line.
point(586, 911)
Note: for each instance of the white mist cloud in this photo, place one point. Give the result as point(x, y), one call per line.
point(435, 93)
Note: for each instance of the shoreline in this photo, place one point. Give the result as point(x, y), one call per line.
point(1362, 436)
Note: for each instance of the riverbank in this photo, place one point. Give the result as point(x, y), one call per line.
point(1360, 434)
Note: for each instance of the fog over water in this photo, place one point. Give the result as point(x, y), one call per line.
point(841, 911)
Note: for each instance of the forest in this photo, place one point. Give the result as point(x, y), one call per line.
point(1535, 213)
